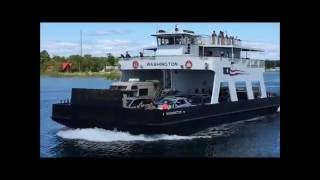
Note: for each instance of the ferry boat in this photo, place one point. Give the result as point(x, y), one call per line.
point(192, 82)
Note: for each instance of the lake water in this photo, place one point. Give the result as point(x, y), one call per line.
point(259, 137)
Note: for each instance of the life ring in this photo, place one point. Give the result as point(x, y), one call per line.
point(135, 64)
point(188, 64)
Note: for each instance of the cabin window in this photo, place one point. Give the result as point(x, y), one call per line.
point(143, 92)
point(224, 94)
point(187, 40)
point(178, 40)
point(192, 40)
point(241, 90)
point(256, 89)
point(166, 40)
point(162, 41)
point(171, 40)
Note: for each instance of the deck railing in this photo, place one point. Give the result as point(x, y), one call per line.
point(224, 41)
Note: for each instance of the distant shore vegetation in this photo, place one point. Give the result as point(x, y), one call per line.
point(272, 64)
point(86, 65)
point(114, 75)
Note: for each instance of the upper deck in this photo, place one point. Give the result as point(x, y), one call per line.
point(174, 49)
point(185, 37)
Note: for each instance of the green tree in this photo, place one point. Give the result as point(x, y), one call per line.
point(97, 64)
point(59, 59)
point(272, 63)
point(88, 56)
point(111, 60)
point(77, 63)
point(44, 57)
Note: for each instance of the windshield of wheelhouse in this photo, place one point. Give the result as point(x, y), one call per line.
point(175, 40)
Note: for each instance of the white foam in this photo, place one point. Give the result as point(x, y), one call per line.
point(102, 135)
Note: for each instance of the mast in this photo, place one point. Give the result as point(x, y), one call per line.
point(80, 42)
point(80, 49)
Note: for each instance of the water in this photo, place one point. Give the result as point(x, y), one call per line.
point(259, 137)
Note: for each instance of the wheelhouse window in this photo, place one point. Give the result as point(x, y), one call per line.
point(175, 40)
point(241, 90)
point(256, 89)
point(188, 40)
point(166, 40)
point(224, 93)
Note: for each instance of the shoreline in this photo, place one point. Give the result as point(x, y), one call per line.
point(108, 75)
point(272, 70)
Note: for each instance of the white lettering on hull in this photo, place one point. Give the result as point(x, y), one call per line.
point(175, 112)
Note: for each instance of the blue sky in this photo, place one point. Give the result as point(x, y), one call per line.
point(101, 38)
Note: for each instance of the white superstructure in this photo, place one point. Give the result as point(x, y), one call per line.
point(191, 63)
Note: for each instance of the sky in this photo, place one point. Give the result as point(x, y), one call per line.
point(98, 39)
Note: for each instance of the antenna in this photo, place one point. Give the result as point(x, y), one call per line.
point(80, 42)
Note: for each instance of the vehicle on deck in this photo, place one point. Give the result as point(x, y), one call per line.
point(174, 102)
point(197, 99)
point(135, 88)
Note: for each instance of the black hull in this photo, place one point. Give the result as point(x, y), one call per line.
point(183, 121)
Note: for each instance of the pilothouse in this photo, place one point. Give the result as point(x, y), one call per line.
point(190, 83)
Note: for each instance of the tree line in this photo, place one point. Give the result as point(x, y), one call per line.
point(272, 63)
point(84, 63)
